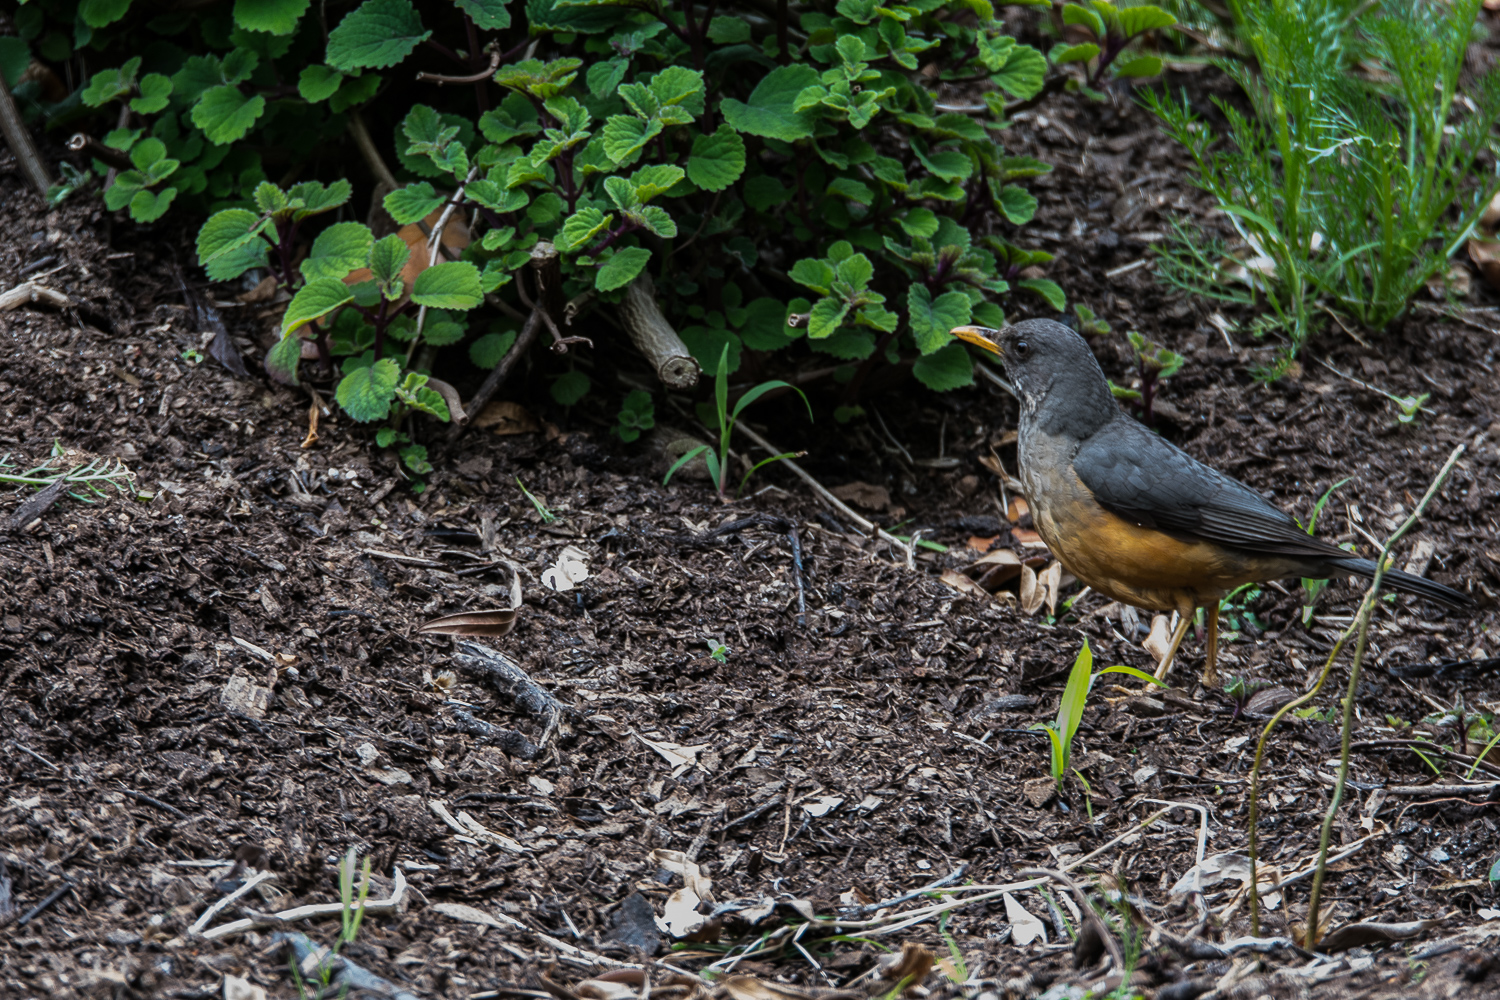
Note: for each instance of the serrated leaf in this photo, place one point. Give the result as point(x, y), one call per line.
point(225, 115)
point(604, 78)
point(621, 268)
point(282, 360)
point(851, 190)
point(111, 83)
point(1017, 204)
point(452, 284)
point(770, 111)
point(1023, 74)
point(656, 220)
point(579, 228)
point(921, 222)
point(1048, 290)
point(489, 350)
point(317, 198)
point(654, 180)
point(413, 202)
point(624, 136)
point(813, 273)
point(442, 332)
point(947, 164)
point(276, 17)
point(366, 393)
point(855, 270)
point(569, 387)
point(270, 199)
point(1062, 53)
point(318, 83)
point(354, 91)
point(621, 192)
point(488, 15)
point(148, 206)
point(678, 86)
point(717, 160)
point(101, 13)
point(156, 93)
point(377, 34)
point(236, 262)
point(763, 326)
point(825, 317)
point(387, 257)
point(1075, 14)
point(847, 345)
point(313, 300)
point(227, 231)
point(341, 248)
point(945, 369)
point(932, 320)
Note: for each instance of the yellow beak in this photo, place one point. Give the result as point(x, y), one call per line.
point(979, 336)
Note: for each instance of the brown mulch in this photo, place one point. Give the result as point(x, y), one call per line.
point(231, 671)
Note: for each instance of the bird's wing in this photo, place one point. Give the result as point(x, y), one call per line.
point(1150, 481)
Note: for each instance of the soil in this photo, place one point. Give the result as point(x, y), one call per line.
point(228, 676)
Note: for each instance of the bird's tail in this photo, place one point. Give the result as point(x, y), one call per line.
point(1396, 579)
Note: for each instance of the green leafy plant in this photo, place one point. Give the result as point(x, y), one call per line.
point(1235, 609)
point(1089, 324)
point(541, 509)
point(351, 916)
point(637, 414)
point(84, 481)
point(1356, 187)
point(1153, 364)
point(722, 418)
point(1112, 27)
point(1061, 731)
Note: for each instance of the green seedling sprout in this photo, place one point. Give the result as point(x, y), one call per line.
point(1075, 696)
point(546, 515)
point(91, 476)
point(718, 461)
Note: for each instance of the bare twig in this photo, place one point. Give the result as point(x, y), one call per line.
point(213, 911)
point(492, 382)
point(18, 138)
point(1311, 937)
point(367, 149)
point(86, 144)
point(654, 337)
point(479, 77)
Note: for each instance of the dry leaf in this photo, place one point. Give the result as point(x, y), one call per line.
point(1032, 595)
point(751, 988)
point(995, 569)
point(489, 623)
point(1051, 580)
point(236, 988)
point(1486, 255)
point(864, 495)
point(962, 584)
point(505, 418)
point(677, 863)
point(1025, 928)
point(822, 805)
point(312, 423)
point(1018, 509)
point(1160, 639)
point(472, 915)
point(908, 967)
point(1038, 790)
point(264, 291)
point(680, 757)
point(979, 544)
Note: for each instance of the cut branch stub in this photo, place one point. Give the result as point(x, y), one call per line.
point(654, 337)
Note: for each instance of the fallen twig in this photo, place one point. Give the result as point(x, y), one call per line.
point(213, 911)
point(510, 680)
point(28, 292)
point(18, 138)
point(492, 381)
point(41, 907)
point(312, 911)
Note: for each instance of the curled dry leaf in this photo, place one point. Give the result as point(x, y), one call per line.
point(487, 623)
point(505, 418)
point(693, 878)
point(963, 584)
point(1486, 256)
point(906, 968)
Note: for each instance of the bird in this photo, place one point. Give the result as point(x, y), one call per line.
point(1134, 516)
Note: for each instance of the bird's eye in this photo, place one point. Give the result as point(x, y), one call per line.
point(1022, 348)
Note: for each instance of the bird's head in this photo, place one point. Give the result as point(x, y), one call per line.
point(1049, 364)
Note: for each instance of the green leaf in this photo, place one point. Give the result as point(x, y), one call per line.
point(225, 115)
point(148, 206)
point(947, 368)
point(1495, 871)
point(846, 345)
point(570, 387)
point(236, 262)
point(412, 203)
point(318, 83)
point(156, 93)
point(1140, 66)
point(678, 86)
point(707, 346)
point(948, 164)
point(101, 13)
point(452, 284)
point(339, 249)
point(379, 33)
point(1138, 20)
point(227, 231)
point(1075, 696)
point(313, 300)
point(581, 227)
point(770, 112)
point(604, 78)
point(317, 198)
point(488, 15)
point(656, 220)
point(1139, 675)
point(921, 222)
point(442, 332)
point(717, 160)
point(15, 56)
point(932, 320)
point(1082, 52)
point(277, 17)
point(111, 83)
point(1075, 14)
point(489, 350)
point(1050, 291)
point(282, 360)
point(354, 91)
point(826, 317)
point(813, 273)
point(621, 268)
point(763, 325)
point(728, 30)
point(366, 393)
point(624, 136)
point(654, 180)
point(1017, 204)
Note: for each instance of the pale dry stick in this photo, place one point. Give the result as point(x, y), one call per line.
point(312, 912)
point(1366, 604)
point(434, 246)
point(213, 911)
point(1198, 900)
point(870, 527)
point(1311, 937)
point(1230, 908)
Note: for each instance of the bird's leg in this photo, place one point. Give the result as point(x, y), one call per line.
point(1183, 621)
point(1211, 663)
